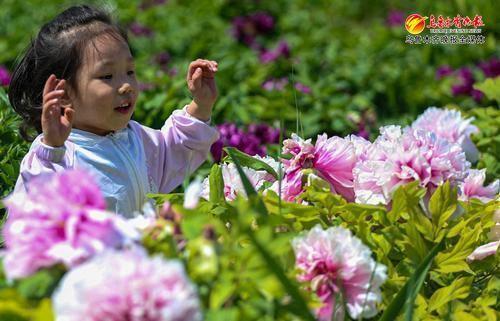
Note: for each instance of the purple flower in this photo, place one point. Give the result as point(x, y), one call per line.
point(140, 30)
point(162, 59)
point(490, 68)
point(302, 88)
point(337, 265)
point(60, 219)
point(277, 84)
point(216, 150)
point(173, 72)
point(127, 285)
point(477, 95)
point(362, 132)
point(245, 29)
point(251, 142)
point(395, 18)
point(443, 71)
point(4, 76)
point(465, 85)
point(267, 56)
point(282, 50)
point(265, 133)
point(264, 23)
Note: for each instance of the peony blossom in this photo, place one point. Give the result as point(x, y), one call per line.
point(333, 159)
point(232, 181)
point(192, 194)
point(490, 248)
point(60, 219)
point(450, 125)
point(398, 157)
point(126, 285)
point(337, 264)
point(472, 187)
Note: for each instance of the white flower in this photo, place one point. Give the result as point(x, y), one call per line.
point(126, 285)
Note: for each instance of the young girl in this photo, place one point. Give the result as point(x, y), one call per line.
point(76, 86)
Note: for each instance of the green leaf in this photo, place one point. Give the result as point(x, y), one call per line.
point(442, 205)
point(458, 289)
point(41, 284)
point(490, 87)
point(216, 184)
point(454, 259)
point(299, 302)
point(249, 161)
point(221, 291)
point(406, 296)
point(249, 189)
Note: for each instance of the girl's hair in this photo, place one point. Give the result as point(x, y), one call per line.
point(57, 49)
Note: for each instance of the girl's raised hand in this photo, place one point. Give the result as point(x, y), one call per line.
point(201, 83)
point(56, 119)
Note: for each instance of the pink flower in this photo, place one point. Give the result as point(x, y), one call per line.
point(472, 187)
point(61, 219)
point(450, 125)
point(484, 251)
point(397, 158)
point(126, 285)
point(490, 248)
point(337, 265)
point(332, 158)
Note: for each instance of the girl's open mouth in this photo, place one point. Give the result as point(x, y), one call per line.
point(124, 108)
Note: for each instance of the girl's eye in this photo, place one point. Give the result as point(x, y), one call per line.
point(106, 77)
point(130, 72)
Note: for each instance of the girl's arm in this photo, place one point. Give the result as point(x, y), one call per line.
point(43, 159)
point(176, 150)
point(184, 141)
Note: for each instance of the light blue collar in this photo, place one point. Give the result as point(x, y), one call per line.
point(81, 137)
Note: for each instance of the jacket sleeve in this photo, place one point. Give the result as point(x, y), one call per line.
point(176, 150)
point(43, 159)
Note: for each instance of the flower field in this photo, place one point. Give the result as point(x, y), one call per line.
point(356, 175)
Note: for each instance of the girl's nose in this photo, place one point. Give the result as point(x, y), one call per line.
point(125, 89)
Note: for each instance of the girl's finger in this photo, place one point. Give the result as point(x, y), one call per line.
point(197, 77)
point(60, 84)
point(53, 94)
point(204, 64)
point(51, 105)
point(49, 84)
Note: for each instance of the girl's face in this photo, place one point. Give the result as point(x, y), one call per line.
point(107, 87)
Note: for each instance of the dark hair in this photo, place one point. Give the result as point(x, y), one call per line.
point(57, 49)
